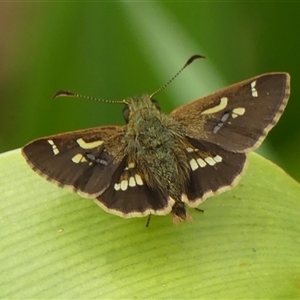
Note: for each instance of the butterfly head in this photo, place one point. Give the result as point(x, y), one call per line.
point(140, 105)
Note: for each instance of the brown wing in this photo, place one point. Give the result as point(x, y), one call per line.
point(82, 160)
point(238, 117)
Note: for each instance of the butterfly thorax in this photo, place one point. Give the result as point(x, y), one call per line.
point(155, 145)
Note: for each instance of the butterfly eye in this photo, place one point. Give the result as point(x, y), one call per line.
point(157, 106)
point(126, 113)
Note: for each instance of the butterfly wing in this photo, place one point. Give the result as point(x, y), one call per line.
point(221, 128)
point(213, 170)
point(238, 117)
point(82, 160)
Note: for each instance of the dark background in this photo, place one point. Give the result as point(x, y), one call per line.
point(116, 50)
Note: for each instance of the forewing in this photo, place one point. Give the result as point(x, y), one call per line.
point(82, 160)
point(238, 117)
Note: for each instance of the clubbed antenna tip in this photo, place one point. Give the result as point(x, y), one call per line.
point(190, 60)
point(64, 94)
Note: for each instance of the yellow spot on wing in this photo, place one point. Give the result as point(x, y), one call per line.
point(78, 158)
point(219, 107)
point(239, 111)
point(88, 145)
point(131, 165)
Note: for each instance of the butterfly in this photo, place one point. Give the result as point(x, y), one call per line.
point(159, 163)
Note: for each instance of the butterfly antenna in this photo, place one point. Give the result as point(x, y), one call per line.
point(63, 93)
point(190, 60)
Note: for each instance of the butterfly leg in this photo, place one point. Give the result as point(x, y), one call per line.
point(148, 220)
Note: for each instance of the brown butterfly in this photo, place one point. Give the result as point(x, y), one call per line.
point(158, 163)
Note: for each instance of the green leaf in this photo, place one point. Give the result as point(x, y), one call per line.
point(55, 244)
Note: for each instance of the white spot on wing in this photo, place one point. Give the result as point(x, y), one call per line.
point(194, 164)
point(253, 89)
point(124, 185)
point(210, 161)
point(138, 179)
point(132, 181)
point(117, 186)
point(54, 147)
point(217, 158)
point(201, 162)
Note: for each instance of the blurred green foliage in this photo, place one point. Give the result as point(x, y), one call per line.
point(118, 49)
